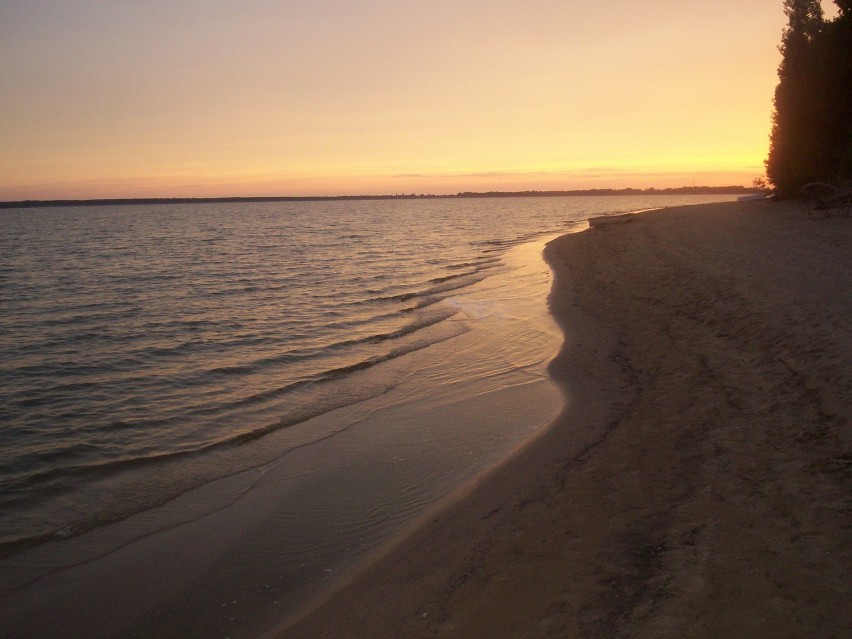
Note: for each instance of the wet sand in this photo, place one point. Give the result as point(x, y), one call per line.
point(697, 483)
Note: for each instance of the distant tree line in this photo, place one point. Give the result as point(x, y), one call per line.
point(679, 190)
point(682, 190)
point(811, 139)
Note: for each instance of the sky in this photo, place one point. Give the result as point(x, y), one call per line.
point(212, 98)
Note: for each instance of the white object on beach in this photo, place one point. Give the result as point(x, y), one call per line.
point(611, 219)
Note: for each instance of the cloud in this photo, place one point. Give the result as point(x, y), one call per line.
point(483, 174)
point(602, 169)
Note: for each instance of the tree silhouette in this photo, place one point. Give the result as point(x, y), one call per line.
point(792, 150)
point(811, 137)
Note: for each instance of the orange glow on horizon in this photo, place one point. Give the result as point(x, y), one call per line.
point(378, 98)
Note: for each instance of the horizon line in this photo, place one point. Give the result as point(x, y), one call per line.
point(696, 190)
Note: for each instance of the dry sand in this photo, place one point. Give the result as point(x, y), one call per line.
point(697, 484)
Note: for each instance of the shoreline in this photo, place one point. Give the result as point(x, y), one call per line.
point(233, 555)
point(697, 482)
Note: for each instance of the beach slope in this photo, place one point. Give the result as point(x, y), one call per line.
point(697, 483)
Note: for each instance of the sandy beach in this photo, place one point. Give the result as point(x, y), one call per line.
point(697, 483)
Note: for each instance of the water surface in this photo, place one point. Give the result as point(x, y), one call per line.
point(146, 349)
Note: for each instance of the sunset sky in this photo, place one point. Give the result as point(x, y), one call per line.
point(125, 98)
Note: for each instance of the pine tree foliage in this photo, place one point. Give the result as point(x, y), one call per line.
point(811, 136)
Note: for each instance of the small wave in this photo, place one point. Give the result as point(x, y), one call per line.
point(236, 290)
point(300, 355)
point(56, 394)
point(349, 324)
point(492, 246)
point(56, 480)
point(169, 351)
point(447, 278)
point(83, 318)
point(451, 284)
point(485, 261)
point(321, 378)
point(140, 277)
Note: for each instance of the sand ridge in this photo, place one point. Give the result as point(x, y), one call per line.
point(697, 484)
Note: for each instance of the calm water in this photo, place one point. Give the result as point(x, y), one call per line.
point(145, 347)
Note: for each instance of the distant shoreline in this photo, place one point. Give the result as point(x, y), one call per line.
point(683, 190)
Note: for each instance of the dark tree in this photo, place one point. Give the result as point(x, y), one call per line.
point(811, 136)
point(792, 148)
point(839, 64)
